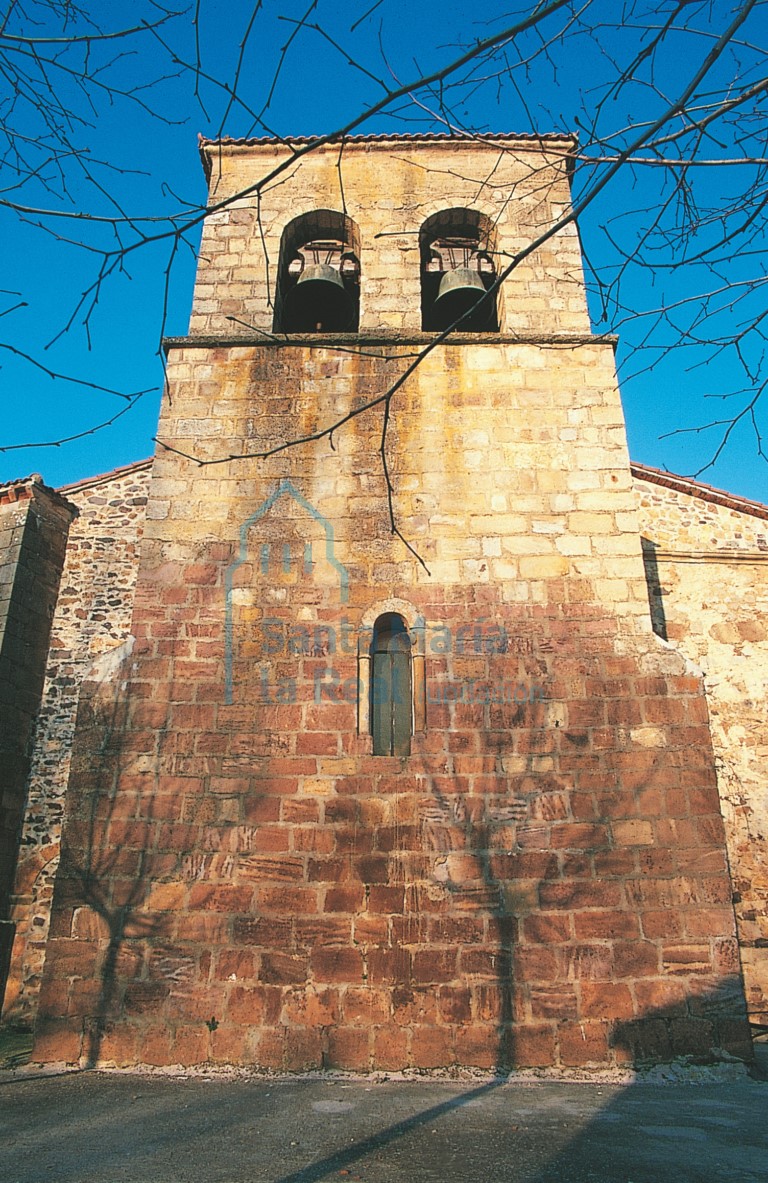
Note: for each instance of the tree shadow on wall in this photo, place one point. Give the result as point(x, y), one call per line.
point(472, 840)
point(110, 864)
point(104, 874)
point(466, 840)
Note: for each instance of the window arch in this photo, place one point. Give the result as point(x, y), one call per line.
point(457, 269)
point(318, 275)
point(391, 687)
point(391, 638)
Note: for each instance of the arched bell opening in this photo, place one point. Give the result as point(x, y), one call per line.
point(391, 710)
point(457, 269)
point(318, 285)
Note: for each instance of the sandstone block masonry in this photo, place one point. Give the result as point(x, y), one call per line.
point(531, 870)
point(706, 554)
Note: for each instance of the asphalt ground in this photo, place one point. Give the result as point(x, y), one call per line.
point(110, 1127)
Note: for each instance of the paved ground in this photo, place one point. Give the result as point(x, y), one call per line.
point(113, 1127)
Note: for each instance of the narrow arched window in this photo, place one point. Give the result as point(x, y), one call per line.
point(391, 693)
point(318, 281)
point(457, 269)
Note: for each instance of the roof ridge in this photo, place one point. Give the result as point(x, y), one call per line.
point(694, 488)
point(392, 137)
point(102, 477)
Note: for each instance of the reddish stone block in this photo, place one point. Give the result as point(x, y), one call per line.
point(347, 897)
point(259, 809)
point(145, 998)
point(353, 841)
point(448, 930)
point(233, 963)
point(228, 1045)
point(204, 928)
point(390, 1048)
point(480, 1046)
point(433, 965)
point(330, 870)
point(662, 924)
point(282, 968)
point(349, 1047)
point(554, 1002)
point(432, 1047)
point(332, 964)
point(312, 838)
point(57, 1041)
point(371, 930)
point(372, 868)
point(155, 1047)
point(247, 1005)
point(362, 1004)
point(308, 1007)
point(414, 1006)
point(318, 743)
point(265, 932)
point(579, 836)
point(487, 963)
point(606, 1000)
point(547, 928)
point(605, 925)
point(228, 898)
point(269, 1048)
point(303, 1049)
point(493, 1003)
point(296, 811)
point(288, 900)
point(190, 1045)
point(645, 1041)
point(583, 1043)
point(534, 1046)
point(686, 958)
point(635, 959)
point(454, 1004)
point(534, 963)
point(118, 1045)
point(388, 966)
point(578, 894)
point(661, 994)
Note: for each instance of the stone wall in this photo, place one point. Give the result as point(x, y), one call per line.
point(707, 561)
point(33, 533)
point(92, 616)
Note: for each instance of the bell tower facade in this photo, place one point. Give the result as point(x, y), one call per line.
point(395, 773)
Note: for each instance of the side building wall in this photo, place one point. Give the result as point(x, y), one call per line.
point(706, 558)
point(34, 521)
point(93, 615)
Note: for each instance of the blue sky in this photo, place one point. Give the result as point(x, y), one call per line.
point(150, 169)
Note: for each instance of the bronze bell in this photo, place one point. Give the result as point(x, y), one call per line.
point(460, 290)
point(319, 302)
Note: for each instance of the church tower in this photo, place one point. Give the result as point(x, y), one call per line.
point(395, 774)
